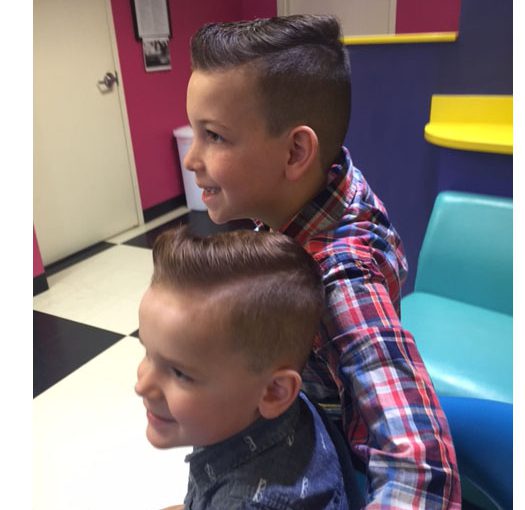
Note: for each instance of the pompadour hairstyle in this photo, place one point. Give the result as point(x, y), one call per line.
point(301, 67)
point(266, 291)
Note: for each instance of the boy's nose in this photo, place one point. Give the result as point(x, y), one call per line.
point(145, 385)
point(191, 161)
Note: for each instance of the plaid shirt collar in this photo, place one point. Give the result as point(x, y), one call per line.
point(325, 208)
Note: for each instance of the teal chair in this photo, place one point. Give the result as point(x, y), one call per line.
point(460, 314)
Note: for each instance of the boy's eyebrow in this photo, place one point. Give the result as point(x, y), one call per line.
point(214, 122)
point(177, 364)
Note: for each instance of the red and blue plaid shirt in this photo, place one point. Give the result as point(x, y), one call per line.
point(363, 359)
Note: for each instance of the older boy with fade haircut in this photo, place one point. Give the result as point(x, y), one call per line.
point(228, 323)
point(269, 103)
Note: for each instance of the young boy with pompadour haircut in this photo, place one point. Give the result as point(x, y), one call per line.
point(228, 323)
point(269, 103)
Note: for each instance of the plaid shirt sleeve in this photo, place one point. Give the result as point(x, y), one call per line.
point(363, 357)
point(391, 415)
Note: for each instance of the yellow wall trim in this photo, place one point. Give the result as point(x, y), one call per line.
point(430, 37)
point(472, 123)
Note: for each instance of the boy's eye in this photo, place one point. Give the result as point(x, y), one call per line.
point(214, 137)
point(181, 375)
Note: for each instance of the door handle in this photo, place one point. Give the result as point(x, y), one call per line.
point(109, 80)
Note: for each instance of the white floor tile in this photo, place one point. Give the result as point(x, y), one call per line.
point(103, 291)
point(141, 229)
point(89, 445)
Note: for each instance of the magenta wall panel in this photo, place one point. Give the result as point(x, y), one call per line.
point(38, 266)
point(252, 9)
point(414, 16)
point(156, 102)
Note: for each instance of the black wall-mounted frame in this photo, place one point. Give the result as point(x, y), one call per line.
point(161, 7)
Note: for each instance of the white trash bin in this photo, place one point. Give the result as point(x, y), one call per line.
point(184, 137)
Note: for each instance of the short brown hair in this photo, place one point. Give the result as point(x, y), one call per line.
point(272, 289)
point(301, 66)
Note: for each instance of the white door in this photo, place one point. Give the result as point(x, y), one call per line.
point(357, 17)
point(84, 184)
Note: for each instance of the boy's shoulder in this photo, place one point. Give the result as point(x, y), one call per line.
point(347, 225)
point(299, 463)
point(345, 216)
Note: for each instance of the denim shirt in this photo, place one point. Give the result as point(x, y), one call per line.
point(290, 462)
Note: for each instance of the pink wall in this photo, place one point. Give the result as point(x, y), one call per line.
point(428, 16)
point(38, 266)
point(252, 9)
point(156, 102)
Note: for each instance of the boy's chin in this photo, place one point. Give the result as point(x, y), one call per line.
point(163, 443)
point(220, 218)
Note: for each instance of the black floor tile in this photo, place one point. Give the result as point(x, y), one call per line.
point(77, 257)
point(40, 284)
point(60, 346)
point(163, 208)
point(198, 222)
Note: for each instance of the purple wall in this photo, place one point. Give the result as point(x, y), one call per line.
point(392, 86)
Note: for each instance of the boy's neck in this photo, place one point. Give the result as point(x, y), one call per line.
point(297, 196)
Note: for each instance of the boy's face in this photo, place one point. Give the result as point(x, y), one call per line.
point(236, 162)
point(195, 389)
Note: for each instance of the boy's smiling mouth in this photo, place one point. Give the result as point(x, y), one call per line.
point(155, 419)
point(208, 192)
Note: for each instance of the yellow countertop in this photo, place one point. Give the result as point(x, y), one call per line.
point(425, 37)
point(471, 123)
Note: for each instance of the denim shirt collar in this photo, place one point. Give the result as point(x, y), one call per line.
point(208, 464)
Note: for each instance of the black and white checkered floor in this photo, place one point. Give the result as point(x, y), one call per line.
point(89, 444)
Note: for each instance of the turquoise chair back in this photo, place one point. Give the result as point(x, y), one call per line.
point(467, 251)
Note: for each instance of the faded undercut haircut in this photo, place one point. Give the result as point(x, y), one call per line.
point(264, 290)
point(301, 68)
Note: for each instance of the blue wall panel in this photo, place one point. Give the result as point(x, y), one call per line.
point(392, 86)
point(475, 172)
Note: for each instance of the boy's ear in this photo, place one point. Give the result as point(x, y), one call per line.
point(303, 150)
point(280, 393)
